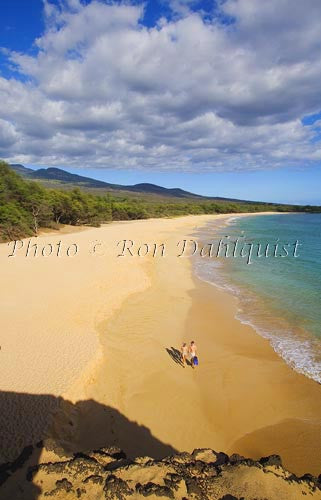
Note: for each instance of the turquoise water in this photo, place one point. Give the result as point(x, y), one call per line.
point(280, 291)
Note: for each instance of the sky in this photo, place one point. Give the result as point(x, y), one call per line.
point(218, 97)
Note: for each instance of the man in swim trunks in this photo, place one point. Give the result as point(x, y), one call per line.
point(192, 350)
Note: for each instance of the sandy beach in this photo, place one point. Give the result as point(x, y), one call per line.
point(93, 337)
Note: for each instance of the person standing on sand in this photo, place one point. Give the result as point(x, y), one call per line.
point(184, 353)
point(192, 352)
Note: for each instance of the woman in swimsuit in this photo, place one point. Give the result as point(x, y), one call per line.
point(184, 353)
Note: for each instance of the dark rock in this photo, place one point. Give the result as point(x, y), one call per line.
point(118, 463)
point(221, 459)
point(193, 488)
point(180, 458)
point(116, 488)
point(236, 458)
point(210, 471)
point(171, 480)
point(154, 489)
point(196, 469)
point(64, 485)
point(316, 481)
point(307, 477)
point(210, 457)
point(206, 474)
point(112, 451)
point(80, 465)
point(94, 479)
point(61, 485)
point(271, 460)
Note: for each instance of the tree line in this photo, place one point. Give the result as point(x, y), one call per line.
point(26, 206)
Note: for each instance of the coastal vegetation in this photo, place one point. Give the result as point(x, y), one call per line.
point(26, 206)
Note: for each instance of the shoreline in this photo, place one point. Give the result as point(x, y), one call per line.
point(136, 376)
point(266, 321)
point(278, 438)
point(262, 406)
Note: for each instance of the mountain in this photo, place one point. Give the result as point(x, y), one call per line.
point(153, 188)
point(20, 169)
point(66, 179)
point(57, 174)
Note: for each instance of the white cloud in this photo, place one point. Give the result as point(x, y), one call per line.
point(104, 90)
point(8, 135)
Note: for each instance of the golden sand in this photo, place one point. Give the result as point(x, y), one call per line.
point(100, 331)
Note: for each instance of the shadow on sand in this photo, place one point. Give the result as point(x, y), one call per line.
point(27, 420)
point(176, 356)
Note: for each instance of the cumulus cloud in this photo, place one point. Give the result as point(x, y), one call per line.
point(192, 92)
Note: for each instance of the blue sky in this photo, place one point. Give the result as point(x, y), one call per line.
point(213, 97)
point(256, 186)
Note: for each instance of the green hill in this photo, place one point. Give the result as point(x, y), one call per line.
point(26, 205)
point(56, 177)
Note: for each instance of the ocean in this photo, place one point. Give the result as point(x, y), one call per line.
point(272, 263)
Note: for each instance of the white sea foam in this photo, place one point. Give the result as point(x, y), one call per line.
point(301, 354)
